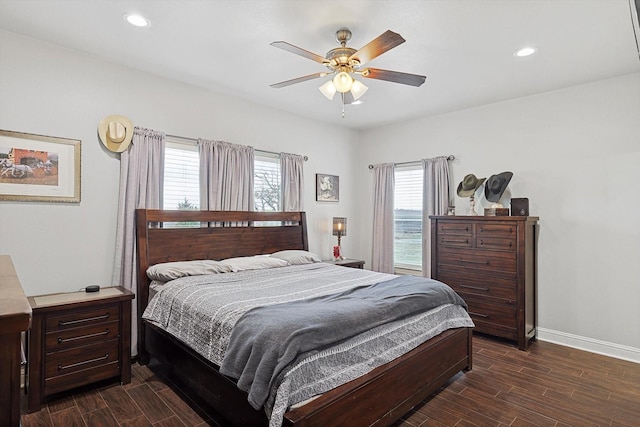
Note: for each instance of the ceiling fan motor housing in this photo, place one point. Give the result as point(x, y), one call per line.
point(340, 57)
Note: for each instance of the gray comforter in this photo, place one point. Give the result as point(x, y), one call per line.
point(265, 340)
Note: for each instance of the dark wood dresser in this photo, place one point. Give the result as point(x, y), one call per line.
point(491, 263)
point(78, 338)
point(15, 318)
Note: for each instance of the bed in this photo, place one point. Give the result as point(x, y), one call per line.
point(378, 397)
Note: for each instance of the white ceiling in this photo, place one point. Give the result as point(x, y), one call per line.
point(464, 47)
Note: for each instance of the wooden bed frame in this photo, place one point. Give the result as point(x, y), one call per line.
point(378, 398)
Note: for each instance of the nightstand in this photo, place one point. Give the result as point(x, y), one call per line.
point(78, 338)
point(347, 262)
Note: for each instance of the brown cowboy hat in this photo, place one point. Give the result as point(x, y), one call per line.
point(495, 186)
point(469, 185)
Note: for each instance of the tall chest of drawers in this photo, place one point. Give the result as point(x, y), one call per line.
point(491, 263)
point(78, 338)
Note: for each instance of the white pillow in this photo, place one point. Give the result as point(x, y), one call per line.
point(295, 257)
point(174, 270)
point(254, 262)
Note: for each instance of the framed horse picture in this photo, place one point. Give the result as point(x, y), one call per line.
point(38, 168)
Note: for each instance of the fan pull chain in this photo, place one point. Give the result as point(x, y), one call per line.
point(342, 94)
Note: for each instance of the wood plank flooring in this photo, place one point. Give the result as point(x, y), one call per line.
point(548, 385)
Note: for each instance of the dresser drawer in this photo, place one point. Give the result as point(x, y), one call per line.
point(488, 260)
point(480, 285)
point(455, 240)
point(59, 340)
point(454, 227)
point(495, 230)
point(76, 379)
point(505, 244)
point(78, 359)
point(502, 315)
point(94, 316)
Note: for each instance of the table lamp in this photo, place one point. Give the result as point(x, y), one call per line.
point(339, 229)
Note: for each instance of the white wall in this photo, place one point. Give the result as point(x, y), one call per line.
point(575, 153)
point(48, 90)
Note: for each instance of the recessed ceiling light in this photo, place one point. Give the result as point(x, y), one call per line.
point(526, 51)
point(137, 20)
point(358, 102)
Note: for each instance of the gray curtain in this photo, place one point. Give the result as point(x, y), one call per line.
point(383, 185)
point(226, 176)
point(291, 170)
point(141, 178)
point(436, 197)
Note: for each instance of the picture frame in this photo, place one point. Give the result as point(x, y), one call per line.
point(39, 168)
point(327, 188)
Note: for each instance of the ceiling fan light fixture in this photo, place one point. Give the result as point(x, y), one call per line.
point(345, 62)
point(358, 89)
point(328, 89)
point(343, 82)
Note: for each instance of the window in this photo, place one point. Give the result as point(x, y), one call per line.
point(182, 177)
point(407, 217)
point(266, 182)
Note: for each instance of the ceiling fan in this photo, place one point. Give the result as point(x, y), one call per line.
point(344, 61)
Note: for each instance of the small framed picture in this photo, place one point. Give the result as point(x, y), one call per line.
point(327, 188)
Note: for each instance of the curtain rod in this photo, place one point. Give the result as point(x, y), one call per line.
point(194, 140)
point(417, 162)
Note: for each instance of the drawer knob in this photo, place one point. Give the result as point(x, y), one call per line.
point(445, 241)
point(462, 261)
point(75, 365)
point(81, 337)
point(88, 319)
point(485, 316)
point(475, 288)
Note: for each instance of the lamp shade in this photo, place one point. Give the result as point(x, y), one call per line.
point(339, 226)
point(358, 89)
point(328, 89)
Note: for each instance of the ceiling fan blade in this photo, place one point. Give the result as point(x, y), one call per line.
point(393, 76)
point(298, 80)
point(376, 47)
point(299, 51)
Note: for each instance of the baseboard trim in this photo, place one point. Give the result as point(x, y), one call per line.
point(617, 351)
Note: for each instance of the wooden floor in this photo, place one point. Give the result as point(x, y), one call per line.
point(548, 385)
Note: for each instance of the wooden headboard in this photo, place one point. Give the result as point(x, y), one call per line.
point(167, 236)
